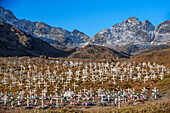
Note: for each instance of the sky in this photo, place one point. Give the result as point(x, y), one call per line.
point(88, 16)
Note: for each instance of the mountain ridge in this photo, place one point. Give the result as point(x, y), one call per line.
point(52, 35)
point(129, 36)
point(15, 42)
point(133, 32)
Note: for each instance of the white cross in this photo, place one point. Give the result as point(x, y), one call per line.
point(39, 83)
point(30, 92)
point(46, 85)
point(29, 67)
point(20, 84)
point(134, 79)
point(65, 85)
point(121, 79)
point(56, 86)
point(5, 99)
point(27, 87)
point(84, 90)
point(42, 104)
point(44, 91)
point(56, 101)
point(34, 90)
point(62, 79)
point(79, 95)
point(161, 76)
point(74, 85)
point(27, 101)
point(10, 86)
point(147, 77)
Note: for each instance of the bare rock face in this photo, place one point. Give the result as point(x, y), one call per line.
point(15, 42)
point(131, 31)
point(45, 32)
point(133, 35)
point(162, 33)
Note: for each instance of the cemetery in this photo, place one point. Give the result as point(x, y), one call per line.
point(63, 85)
point(70, 56)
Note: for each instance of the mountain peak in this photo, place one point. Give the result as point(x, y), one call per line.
point(167, 22)
point(146, 21)
point(75, 31)
point(7, 12)
point(133, 18)
point(2, 8)
point(130, 32)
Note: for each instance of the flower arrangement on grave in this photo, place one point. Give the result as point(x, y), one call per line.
point(10, 94)
point(62, 104)
point(70, 106)
point(48, 103)
point(101, 104)
point(17, 93)
point(43, 107)
point(59, 83)
point(155, 94)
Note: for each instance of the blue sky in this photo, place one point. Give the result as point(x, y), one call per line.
point(88, 16)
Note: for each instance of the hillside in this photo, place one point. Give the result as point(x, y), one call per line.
point(160, 57)
point(52, 35)
point(15, 42)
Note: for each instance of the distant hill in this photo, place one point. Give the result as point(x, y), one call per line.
point(97, 52)
point(15, 42)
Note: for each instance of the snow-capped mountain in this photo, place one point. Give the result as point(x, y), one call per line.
point(133, 32)
point(45, 32)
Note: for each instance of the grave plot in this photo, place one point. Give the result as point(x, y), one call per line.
point(30, 83)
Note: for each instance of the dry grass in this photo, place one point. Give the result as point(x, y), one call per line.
point(161, 57)
point(159, 106)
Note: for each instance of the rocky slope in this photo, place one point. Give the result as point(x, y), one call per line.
point(15, 42)
point(133, 35)
point(162, 33)
point(131, 31)
point(45, 32)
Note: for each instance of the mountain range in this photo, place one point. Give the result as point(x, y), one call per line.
point(15, 42)
point(133, 35)
point(52, 35)
point(128, 37)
